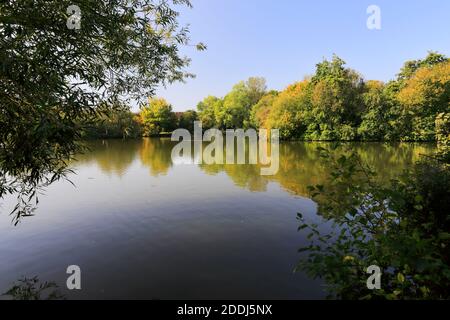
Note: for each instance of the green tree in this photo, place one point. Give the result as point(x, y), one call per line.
point(336, 101)
point(157, 117)
point(423, 96)
point(207, 110)
point(337, 104)
point(256, 88)
point(406, 124)
point(235, 109)
point(114, 122)
point(187, 119)
point(288, 111)
point(261, 110)
point(443, 136)
point(410, 67)
point(237, 105)
point(376, 118)
point(53, 77)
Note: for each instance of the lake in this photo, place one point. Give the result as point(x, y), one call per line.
point(141, 225)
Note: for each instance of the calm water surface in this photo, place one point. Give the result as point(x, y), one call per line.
point(145, 227)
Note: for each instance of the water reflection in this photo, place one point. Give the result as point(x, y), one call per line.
point(142, 225)
point(300, 164)
point(113, 157)
point(156, 154)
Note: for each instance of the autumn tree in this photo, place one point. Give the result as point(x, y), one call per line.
point(410, 67)
point(424, 95)
point(336, 103)
point(260, 111)
point(288, 111)
point(157, 117)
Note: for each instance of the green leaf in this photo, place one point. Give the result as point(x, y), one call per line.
point(201, 46)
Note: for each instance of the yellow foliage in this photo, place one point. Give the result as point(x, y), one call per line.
point(374, 85)
point(426, 87)
point(284, 114)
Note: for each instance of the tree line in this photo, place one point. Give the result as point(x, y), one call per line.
point(334, 104)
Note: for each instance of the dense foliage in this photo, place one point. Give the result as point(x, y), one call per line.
point(443, 136)
point(402, 227)
point(186, 120)
point(157, 117)
point(118, 122)
point(53, 77)
point(233, 111)
point(336, 103)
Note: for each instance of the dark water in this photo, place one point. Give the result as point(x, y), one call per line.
point(143, 226)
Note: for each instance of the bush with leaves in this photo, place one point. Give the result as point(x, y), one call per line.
point(443, 136)
point(402, 227)
point(33, 289)
point(157, 117)
point(114, 122)
point(53, 77)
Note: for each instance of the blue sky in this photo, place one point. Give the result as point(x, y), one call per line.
point(283, 40)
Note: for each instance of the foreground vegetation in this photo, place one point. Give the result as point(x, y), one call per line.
point(33, 289)
point(402, 227)
point(56, 79)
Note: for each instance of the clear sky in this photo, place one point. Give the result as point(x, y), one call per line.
point(282, 40)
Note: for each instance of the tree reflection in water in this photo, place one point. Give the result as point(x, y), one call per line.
point(300, 163)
